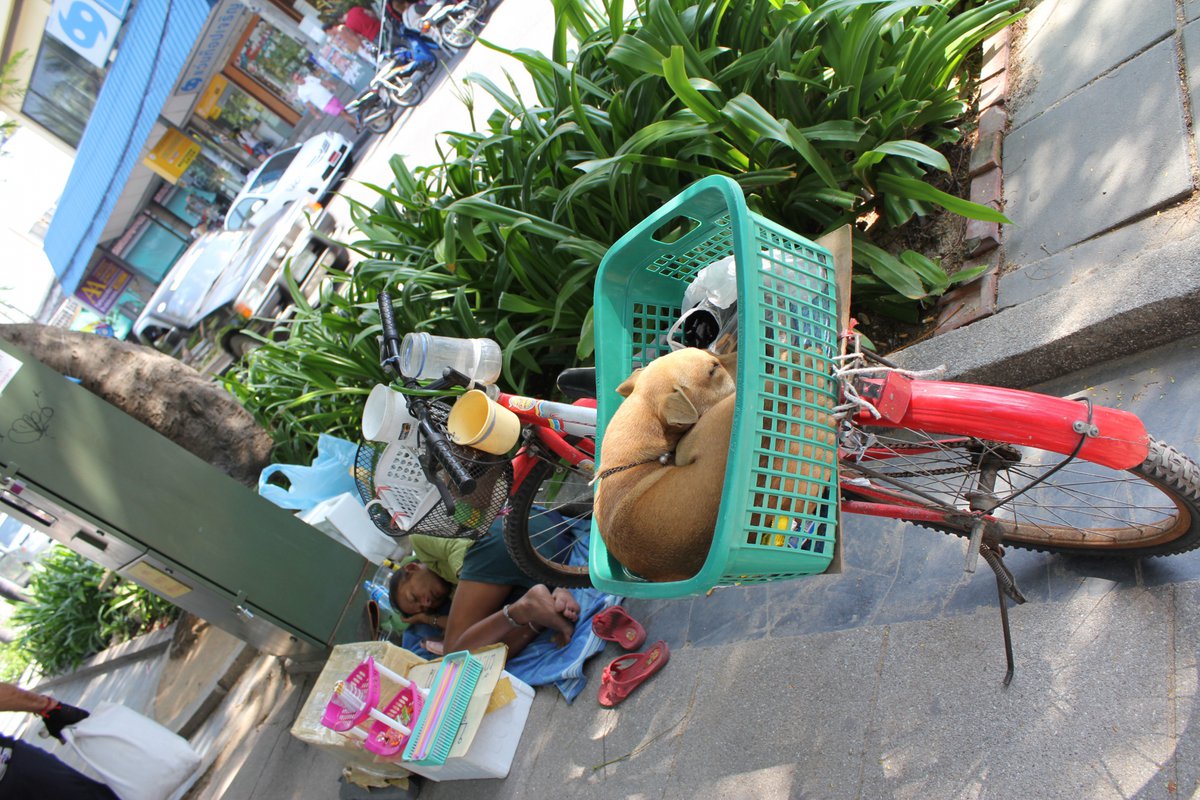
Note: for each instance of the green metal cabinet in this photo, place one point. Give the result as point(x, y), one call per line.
point(121, 494)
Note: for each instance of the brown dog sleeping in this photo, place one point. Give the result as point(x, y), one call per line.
point(662, 464)
point(662, 461)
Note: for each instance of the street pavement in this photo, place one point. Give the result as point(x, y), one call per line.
point(885, 681)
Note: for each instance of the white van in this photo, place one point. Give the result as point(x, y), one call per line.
point(300, 174)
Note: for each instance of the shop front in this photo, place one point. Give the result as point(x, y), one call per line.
point(136, 204)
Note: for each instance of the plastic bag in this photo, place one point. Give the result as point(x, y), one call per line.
point(716, 283)
point(331, 474)
point(709, 309)
point(135, 756)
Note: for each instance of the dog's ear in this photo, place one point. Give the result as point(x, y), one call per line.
point(677, 410)
point(626, 387)
point(729, 362)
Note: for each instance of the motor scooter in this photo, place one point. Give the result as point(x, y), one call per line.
point(452, 23)
point(398, 81)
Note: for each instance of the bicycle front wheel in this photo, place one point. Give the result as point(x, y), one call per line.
point(1152, 509)
point(548, 514)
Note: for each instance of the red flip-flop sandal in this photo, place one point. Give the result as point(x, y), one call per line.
point(615, 625)
point(626, 673)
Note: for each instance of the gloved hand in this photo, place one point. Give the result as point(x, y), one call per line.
point(60, 716)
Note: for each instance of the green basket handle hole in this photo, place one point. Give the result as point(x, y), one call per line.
point(674, 229)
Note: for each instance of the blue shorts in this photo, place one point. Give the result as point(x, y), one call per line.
point(488, 560)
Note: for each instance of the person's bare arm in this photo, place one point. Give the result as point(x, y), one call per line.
point(14, 698)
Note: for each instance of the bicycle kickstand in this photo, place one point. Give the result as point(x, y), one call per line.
point(1006, 587)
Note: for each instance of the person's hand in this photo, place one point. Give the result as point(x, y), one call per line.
point(60, 716)
point(420, 618)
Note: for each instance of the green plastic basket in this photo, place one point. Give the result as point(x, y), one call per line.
point(787, 337)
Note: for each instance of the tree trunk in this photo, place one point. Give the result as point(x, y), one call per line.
point(12, 593)
point(158, 391)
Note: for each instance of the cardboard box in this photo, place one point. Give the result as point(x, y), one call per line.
point(485, 745)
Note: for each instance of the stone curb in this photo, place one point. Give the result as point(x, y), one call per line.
point(1107, 314)
point(145, 646)
point(189, 719)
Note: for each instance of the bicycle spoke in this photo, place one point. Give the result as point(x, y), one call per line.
point(1078, 501)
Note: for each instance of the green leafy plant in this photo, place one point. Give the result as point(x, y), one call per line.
point(823, 112)
point(13, 662)
point(78, 608)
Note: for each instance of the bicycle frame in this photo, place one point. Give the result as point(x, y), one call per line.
point(1106, 436)
point(548, 422)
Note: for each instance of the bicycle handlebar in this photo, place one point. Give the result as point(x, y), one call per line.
point(389, 346)
point(389, 357)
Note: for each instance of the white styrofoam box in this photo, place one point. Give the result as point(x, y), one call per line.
point(491, 753)
point(346, 520)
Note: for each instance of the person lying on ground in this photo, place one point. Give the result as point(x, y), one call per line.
point(493, 599)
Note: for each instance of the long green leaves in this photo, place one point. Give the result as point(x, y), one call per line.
point(823, 111)
point(77, 608)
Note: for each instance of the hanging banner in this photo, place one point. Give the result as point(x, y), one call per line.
point(173, 154)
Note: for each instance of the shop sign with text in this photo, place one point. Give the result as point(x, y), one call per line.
point(103, 285)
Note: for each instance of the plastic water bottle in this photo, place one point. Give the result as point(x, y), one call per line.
point(379, 594)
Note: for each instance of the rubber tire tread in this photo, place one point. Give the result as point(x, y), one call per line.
point(373, 126)
point(410, 98)
point(516, 535)
point(450, 24)
point(1177, 475)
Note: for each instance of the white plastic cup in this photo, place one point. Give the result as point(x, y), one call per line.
point(476, 421)
point(385, 415)
point(424, 356)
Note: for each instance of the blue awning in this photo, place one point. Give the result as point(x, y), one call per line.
point(158, 38)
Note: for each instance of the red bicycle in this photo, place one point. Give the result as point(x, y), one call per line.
point(998, 466)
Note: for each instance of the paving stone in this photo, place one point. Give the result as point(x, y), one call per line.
point(788, 717)
point(1067, 43)
point(1107, 251)
point(1070, 174)
point(1085, 716)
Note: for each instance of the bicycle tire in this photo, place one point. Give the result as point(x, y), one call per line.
point(528, 549)
point(1154, 512)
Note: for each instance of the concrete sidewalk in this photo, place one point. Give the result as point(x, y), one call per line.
point(885, 681)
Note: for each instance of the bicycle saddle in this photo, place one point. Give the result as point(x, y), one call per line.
point(578, 383)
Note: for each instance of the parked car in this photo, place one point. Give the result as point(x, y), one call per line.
point(236, 279)
point(300, 174)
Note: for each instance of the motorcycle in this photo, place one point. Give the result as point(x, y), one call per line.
point(373, 110)
point(452, 23)
point(403, 75)
point(398, 82)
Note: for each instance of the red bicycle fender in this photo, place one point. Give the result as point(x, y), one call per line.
point(1022, 418)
